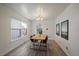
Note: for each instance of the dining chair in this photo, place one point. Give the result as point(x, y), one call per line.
point(35, 43)
point(44, 43)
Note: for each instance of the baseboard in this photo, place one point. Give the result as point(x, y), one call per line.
point(62, 48)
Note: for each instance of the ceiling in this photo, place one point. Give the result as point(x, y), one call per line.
point(30, 10)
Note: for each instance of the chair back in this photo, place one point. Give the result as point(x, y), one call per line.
point(45, 41)
point(31, 38)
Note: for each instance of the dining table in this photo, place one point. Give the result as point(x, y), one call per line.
point(39, 37)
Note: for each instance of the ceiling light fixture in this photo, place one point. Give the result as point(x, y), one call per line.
point(40, 14)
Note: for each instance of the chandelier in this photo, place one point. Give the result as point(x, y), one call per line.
point(40, 15)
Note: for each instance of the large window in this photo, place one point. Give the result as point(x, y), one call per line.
point(18, 29)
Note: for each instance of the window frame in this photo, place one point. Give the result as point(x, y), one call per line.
point(20, 29)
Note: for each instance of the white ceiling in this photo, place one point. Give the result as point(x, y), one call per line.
point(29, 10)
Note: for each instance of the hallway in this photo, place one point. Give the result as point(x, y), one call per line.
point(25, 50)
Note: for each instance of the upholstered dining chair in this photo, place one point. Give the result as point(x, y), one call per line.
point(44, 43)
point(35, 43)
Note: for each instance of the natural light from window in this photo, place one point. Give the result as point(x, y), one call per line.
point(18, 29)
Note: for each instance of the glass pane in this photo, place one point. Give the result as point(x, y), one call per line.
point(15, 34)
point(23, 25)
point(15, 23)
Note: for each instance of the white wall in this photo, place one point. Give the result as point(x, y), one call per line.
point(71, 13)
point(5, 34)
point(46, 23)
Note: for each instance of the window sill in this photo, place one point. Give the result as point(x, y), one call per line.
point(13, 40)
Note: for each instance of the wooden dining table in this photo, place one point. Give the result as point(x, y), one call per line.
point(39, 37)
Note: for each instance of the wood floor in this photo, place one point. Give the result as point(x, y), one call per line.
point(25, 50)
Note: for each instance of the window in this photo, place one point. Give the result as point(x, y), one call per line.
point(18, 29)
